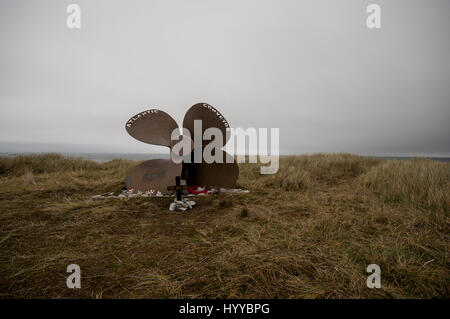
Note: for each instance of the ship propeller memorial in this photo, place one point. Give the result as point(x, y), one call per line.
point(186, 149)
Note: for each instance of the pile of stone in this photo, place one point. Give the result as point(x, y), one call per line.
point(130, 193)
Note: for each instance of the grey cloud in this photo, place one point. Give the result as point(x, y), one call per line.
point(311, 68)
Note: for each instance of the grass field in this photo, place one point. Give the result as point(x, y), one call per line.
point(308, 231)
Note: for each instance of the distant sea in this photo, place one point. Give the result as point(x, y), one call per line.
point(105, 157)
point(101, 157)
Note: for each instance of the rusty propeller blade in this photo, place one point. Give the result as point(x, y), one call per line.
point(152, 127)
point(156, 174)
point(213, 174)
point(204, 174)
point(210, 118)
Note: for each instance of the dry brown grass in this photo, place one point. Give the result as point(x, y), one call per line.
point(45, 163)
point(308, 231)
point(419, 182)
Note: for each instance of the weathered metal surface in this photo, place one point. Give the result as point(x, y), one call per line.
point(156, 174)
point(155, 127)
point(209, 116)
point(213, 174)
point(152, 127)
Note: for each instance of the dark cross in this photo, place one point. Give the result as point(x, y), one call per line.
point(178, 187)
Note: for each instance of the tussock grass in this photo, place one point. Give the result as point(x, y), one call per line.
point(42, 163)
point(308, 231)
point(300, 173)
point(419, 182)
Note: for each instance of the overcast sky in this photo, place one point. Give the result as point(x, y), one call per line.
point(311, 68)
